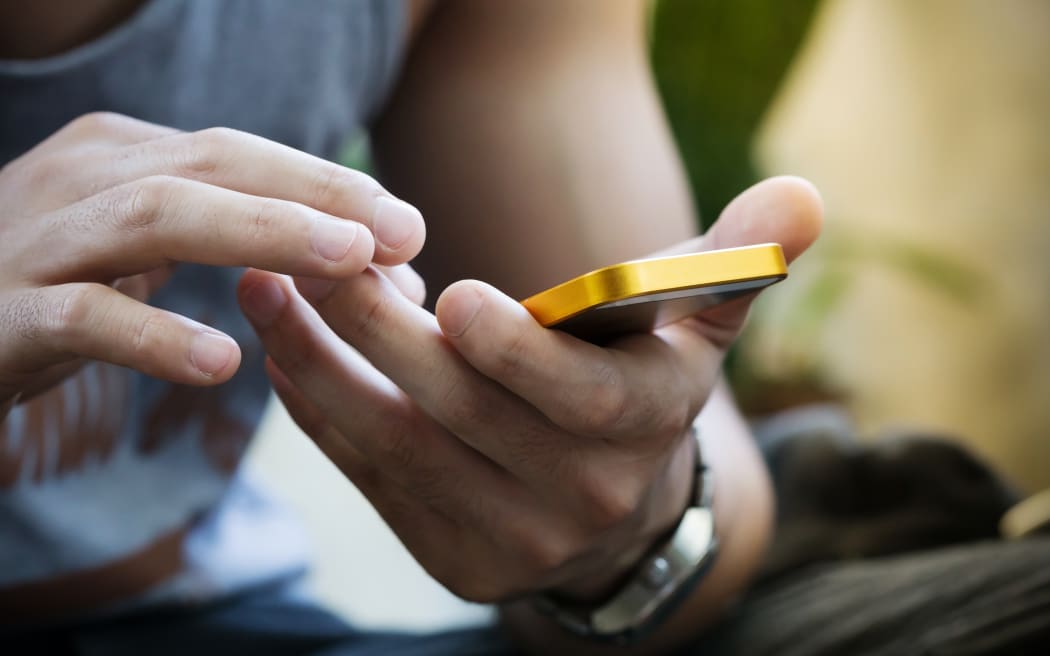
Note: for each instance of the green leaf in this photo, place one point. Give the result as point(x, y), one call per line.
point(942, 273)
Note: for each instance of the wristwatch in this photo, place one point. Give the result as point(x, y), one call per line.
point(661, 580)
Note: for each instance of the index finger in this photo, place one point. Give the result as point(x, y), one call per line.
point(253, 165)
point(158, 220)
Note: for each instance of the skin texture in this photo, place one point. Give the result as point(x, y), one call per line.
point(508, 458)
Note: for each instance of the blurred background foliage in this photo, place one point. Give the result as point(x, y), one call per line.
point(718, 65)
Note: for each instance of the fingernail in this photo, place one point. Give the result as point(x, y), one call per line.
point(263, 301)
point(210, 353)
point(332, 238)
point(394, 222)
point(461, 315)
point(314, 289)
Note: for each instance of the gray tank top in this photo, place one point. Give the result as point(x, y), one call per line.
point(139, 499)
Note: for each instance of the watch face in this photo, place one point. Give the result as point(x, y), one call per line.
point(662, 578)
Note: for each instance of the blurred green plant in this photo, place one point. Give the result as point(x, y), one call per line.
point(357, 153)
point(718, 65)
point(843, 258)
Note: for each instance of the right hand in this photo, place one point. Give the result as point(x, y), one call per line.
point(93, 219)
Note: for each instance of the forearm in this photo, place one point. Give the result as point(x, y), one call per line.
point(743, 506)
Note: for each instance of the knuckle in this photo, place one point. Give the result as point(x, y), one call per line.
point(606, 502)
point(464, 410)
point(326, 186)
point(264, 219)
point(47, 170)
point(374, 315)
point(143, 334)
point(98, 123)
point(542, 553)
point(148, 200)
point(359, 183)
point(512, 355)
point(397, 446)
point(605, 404)
point(71, 313)
point(335, 185)
point(203, 155)
point(218, 139)
point(670, 417)
point(210, 150)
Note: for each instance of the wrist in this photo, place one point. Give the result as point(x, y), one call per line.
point(658, 583)
point(670, 497)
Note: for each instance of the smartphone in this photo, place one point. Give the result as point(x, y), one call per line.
point(641, 295)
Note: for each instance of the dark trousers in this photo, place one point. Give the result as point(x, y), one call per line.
point(985, 598)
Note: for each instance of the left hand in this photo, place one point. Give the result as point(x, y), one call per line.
point(509, 458)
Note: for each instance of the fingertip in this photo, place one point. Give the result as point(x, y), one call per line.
point(215, 356)
point(250, 277)
point(458, 306)
point(262, 296)
point(399, 231)
point(480, 307)
point(341, 246)
point(314, 290)
point(786, 209)
point(360, 254)
point(362, 251)
point(803, 211)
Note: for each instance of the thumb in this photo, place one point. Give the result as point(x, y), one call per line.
point(786, 210)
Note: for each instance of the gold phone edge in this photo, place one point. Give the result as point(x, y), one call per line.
point(637, 277)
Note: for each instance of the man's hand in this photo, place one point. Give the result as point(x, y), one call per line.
point(92, 220)
point(509, 458)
